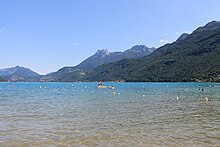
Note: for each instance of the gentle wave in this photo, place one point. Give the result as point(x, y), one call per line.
point(132, 114)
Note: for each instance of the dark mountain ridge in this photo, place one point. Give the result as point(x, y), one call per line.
point(76, 73)
point(104, 57)
point(194, 57)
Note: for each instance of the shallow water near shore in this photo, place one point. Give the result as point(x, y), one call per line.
point(132, 114)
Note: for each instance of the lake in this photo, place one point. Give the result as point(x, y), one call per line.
point(132, 114)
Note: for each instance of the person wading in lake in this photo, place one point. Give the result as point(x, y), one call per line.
point(99, 83)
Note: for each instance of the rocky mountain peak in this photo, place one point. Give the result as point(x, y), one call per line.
point(140, 48)
point(209, 26)
point(212, 24)
point(18, 66)
point(102, 53)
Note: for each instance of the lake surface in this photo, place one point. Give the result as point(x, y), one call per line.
point(132, 114)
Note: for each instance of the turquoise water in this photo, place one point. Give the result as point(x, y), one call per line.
point(132, 114)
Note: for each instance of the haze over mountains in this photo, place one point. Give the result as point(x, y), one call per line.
point(192, 57)
point(17, 74)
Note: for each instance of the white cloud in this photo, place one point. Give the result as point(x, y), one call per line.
point(164, 41)
point(165, 34)
point(4, 31)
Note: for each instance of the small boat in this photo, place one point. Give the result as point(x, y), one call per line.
point(102, 86)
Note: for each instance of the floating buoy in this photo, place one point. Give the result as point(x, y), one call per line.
point(206, 99)
point(177, 98)
point(143, 95)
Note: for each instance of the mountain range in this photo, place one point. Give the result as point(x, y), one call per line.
point(17, 73)
point(192, 57)
point(77, 73)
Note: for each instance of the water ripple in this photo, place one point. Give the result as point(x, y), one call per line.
point(133, 114)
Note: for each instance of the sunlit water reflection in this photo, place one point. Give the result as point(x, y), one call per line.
point(133, 114)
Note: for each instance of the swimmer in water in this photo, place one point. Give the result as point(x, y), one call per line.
point(111, 87)
point(99, 83)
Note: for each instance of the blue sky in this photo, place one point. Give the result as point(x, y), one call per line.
point(45, 35)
